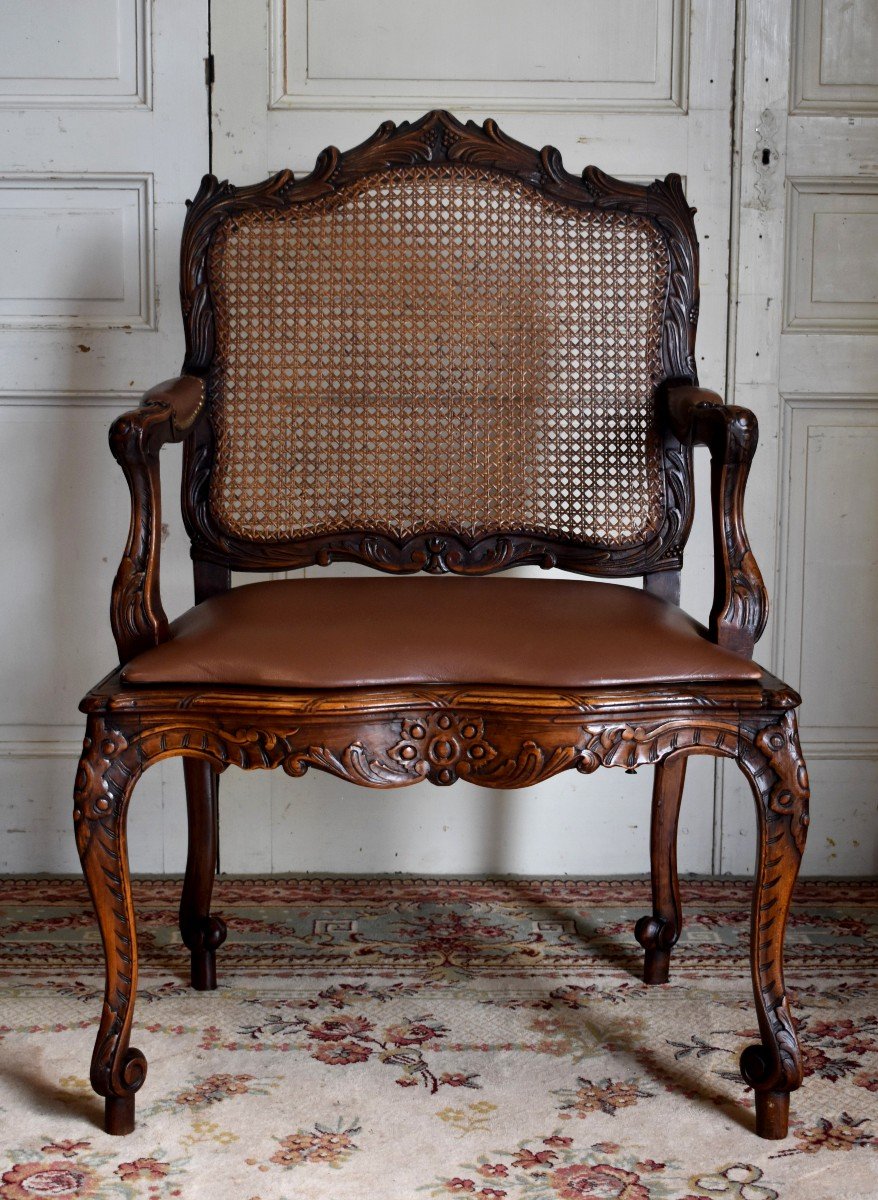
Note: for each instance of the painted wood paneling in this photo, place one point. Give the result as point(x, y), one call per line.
point(834, 57)
point(827, 649)
point(91, 53)
point(831, 270)
point(77, 251)
point(808, 369)
point(640, 87)
point(568, 55)
point(105, 134)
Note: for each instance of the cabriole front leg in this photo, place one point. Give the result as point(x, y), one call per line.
point(658, 933)
point(104, 784)
point(772, 759)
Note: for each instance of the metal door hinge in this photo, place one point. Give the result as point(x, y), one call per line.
point(209, 70)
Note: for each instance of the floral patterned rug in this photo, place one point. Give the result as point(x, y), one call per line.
point(401, 1038)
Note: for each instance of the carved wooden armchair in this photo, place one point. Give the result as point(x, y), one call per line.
point(439, 353)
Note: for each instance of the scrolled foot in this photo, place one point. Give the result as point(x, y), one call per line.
point(772, 1105)
point(119, 1109)
point(107, 774)
point(656, 937)
point(658, 933)
point(756, 1066)
point(761, 1071)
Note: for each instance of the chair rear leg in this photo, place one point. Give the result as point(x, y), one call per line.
point(658, 934)
point(201, 932)
point(104, 784)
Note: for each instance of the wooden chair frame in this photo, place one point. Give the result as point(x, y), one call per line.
point(394, 737)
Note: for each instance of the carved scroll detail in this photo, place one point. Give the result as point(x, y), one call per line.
point(136, 613)
point(167, 414)
point(772, 759)
point(741, 605)
point(101, 798)
point(790, 793)
point(632, 746)
point(440, 744)
point(740, 602)
point(438, 138)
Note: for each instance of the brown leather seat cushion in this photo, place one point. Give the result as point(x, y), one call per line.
point(333, 633)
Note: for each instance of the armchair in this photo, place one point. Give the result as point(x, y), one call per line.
point(439, 353)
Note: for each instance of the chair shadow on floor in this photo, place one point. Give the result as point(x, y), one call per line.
point(660, 1065)
point(40, 1091)
point(582, 1021)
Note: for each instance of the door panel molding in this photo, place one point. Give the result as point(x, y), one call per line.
point(99, 257)
point(302, 34)
point(829, 39)
point(831, 235)
point(808, 423)
point(125, 83)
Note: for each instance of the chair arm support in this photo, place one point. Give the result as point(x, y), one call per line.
point(740, 601)
point(167, 413)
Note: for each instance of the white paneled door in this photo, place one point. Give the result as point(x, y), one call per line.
point(767, 109)
point(806, 360)
point(103, 108)
point(639, 87)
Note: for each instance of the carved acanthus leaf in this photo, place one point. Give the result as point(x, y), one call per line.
point(790, 792)
point(772, 758)
point(632, 746)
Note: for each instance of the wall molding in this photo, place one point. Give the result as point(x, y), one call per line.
point(825, 749)
point(290, 19)
point(819, 741)
point(802, 314)
point(141, 300)
point(41, 741)
point(809, 92)
point(96, 398)
point(138, 27)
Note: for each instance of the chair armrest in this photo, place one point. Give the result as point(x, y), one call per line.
point(167, 413)
point(740, 601)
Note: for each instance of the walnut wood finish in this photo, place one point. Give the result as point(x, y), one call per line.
point(202, 933)
point(740, 602)
point(437, 139)
point(771, 757)
point(496, 737)
point(659, 933)
point(100, 818)
point(167, 413)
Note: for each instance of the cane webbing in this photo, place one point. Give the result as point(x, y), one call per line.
point(437, 349)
